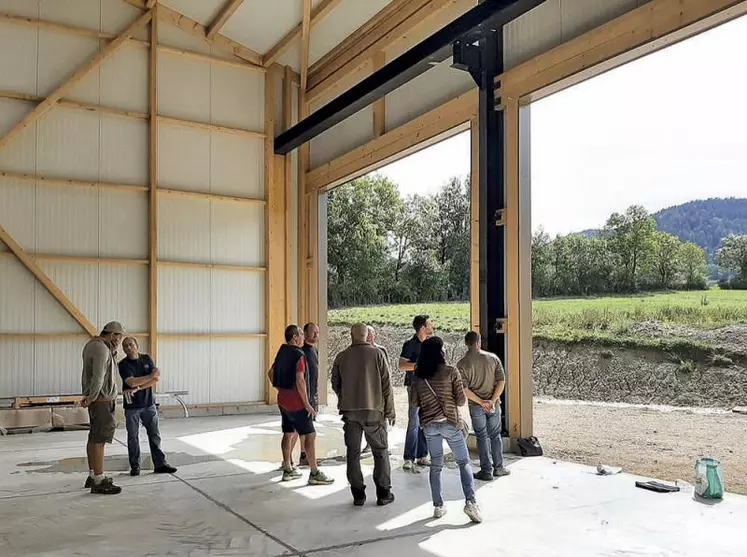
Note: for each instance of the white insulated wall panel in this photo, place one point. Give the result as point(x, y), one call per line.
point(183, 87)
point(184, 299)
point(67, 220)
point(16, 297)
point(345, 136)
point(123, 150)
point(68, 144)
point(579, 16)
point(260, 24)
point(185, 366)
point(81, 13)
point(17, 205)
point(202, 11)
point(183, 228)
point(237, 97)
point(16, 366)
point(123, 224)
point(19, 155)
point(237, 165)
point(18, 55)
point(123, 296)
point(124, 78)
point(79, 282)
point(49, 316)
point(237, 370)
point(57, 365)
point(237, 301)
point(60, 55)
point(426, 92)
point(237, 233)
point(183, 158)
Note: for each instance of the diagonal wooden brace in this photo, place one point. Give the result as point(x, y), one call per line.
point(30, 264)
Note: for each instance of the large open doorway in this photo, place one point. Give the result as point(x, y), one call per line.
point(638, 206)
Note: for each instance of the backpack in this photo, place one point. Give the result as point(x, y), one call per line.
point(529, 446)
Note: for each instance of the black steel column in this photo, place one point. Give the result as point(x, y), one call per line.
point(492, 198)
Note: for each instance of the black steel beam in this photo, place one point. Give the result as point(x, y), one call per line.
point(490, 14)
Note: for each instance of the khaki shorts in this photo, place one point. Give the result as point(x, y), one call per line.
point(102, 422)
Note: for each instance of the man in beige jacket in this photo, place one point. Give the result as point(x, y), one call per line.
point(360, 379)
point(99, 392)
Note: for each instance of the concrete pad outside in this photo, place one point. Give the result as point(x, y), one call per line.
point(227, 499)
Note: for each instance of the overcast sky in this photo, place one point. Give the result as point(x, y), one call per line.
point(660, 131)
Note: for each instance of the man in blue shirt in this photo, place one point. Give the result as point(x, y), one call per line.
point(139, 375)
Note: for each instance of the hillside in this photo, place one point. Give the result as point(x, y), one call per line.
point(705, 222)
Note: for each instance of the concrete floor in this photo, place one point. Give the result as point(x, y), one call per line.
point(227, 500)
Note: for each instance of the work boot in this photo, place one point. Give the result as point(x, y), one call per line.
point(425, 461)
point(408, 465)
point(320, 479)
point(135, 472)
point(89, 483)
point(384, 497)
point(484, 475)
point(500, 472)
point(106, 487)
point(439, 512)
point(165, 469)
point(359, 496)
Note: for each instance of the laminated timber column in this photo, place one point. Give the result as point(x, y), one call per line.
point(153, 190)
point(276, 232)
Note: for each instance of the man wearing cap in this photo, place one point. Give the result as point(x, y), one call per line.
point(99, 393)
point(139, 375)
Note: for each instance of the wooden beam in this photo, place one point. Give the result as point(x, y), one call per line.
point(305, 42)
point(78, 259)
point(474, 196)
point(212, 196)
point(153, 183)
point(31, 265)
point(196, 29)
point(318, 14)
point(150, 3)
point(430, 126)
point(211, 127)
point(51, 181)
point(288, 170)
point(379, 107)
point(54, 26)
point(303, 220)
point(81, 73)
point(229, 8)
point(397, 20)
point(234, 63)
point(651, 24)
point(217, 266)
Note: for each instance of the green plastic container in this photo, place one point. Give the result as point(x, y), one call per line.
point(709, 483)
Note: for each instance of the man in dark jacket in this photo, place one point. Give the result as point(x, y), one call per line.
point(360, 379)
point(288, 376)
point(139, 375)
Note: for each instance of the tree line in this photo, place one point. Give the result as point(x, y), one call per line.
point(383, 249)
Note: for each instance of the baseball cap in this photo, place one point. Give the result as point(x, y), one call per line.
point(114, 327)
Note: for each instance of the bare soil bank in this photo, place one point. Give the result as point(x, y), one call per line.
point(598, 373)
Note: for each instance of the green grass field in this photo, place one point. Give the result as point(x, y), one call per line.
point(559, 316)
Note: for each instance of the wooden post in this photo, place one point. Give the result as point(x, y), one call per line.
point(474, 196)
point(288, 171)
point(275, 286)
point(153, 192)
point(303, 219)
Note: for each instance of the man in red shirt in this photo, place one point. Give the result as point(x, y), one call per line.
point(288, 376)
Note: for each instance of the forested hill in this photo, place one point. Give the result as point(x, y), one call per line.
point(705, 222)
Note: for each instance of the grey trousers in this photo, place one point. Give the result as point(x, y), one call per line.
point(378, 440)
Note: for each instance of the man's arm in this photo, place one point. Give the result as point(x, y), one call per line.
point(500, 383)
point(301, 386)
point(99, 357)
point(457, 387)
point(336, 378)
point(405, 364)
point(386, 389)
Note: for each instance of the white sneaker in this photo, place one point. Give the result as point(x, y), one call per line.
point(425, 461)
point(473, 512)
point(408, 465)
point(439, 512)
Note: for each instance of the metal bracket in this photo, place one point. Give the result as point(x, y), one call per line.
point(467, 57)
point(500, 326)
point(499, 218)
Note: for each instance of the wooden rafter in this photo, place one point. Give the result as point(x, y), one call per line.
point(305, 42)
point(81, 73)
point(322, 10)
point(229, 8)
point(398, 19)
point(196, 29)
point(31, 265)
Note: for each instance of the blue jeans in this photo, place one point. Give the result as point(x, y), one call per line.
point(149, 417)
point(489, 439)
point(415, 443)
point(436, 434)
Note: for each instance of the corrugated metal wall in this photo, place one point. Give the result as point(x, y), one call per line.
point(39, 342)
